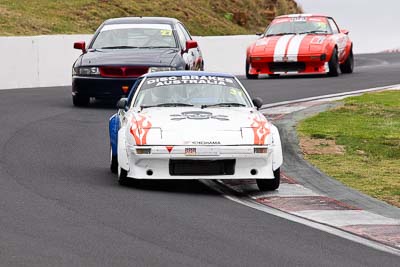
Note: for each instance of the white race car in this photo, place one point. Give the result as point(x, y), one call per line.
point(193, 125)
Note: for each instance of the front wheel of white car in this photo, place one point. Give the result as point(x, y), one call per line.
point(113, 162)
point(270, 184)
point(122, 176)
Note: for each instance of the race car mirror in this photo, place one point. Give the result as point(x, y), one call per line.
point(345, 31)
point(191, 44)
point(259, 33)
point(122, 104)
point(81, 46)
point(257, 102)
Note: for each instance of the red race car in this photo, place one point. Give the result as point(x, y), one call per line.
point(300, 44)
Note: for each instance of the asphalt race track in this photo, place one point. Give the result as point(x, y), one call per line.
point(61, 206)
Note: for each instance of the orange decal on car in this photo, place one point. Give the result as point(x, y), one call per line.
point(260, 129)
point(139, 129)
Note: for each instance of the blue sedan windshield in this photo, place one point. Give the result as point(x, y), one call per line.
point(123, 36)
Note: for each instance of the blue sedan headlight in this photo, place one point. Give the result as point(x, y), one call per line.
point(156, 69)
point(85, 71)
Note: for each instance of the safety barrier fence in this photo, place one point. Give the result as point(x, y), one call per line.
point(42, 61)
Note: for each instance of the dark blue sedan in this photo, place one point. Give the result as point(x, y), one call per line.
point(123, 49)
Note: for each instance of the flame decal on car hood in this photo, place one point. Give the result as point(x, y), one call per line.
point(140, 126)
point(260, 129)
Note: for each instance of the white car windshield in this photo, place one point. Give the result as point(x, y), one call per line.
point(299, 25)
point(125, 36)
point(203, 91)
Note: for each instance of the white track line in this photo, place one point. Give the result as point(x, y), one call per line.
point(341, 218)
point(246, 201)
point(321, 220)
point(331, 96)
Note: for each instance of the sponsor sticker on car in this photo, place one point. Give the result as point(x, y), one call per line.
point(299, 19)
point(190, 151)
point(166, 32)
point(193, 79)
point(202, 151)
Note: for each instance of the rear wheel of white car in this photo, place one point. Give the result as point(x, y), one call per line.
point(334, 64)
point(270, 184)
point(248, 75)
point(348, 65)
point(122, 176)
point(113, 162)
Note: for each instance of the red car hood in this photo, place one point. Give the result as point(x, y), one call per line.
point(289, 45)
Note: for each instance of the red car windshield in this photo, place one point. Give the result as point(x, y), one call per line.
point(299, 25)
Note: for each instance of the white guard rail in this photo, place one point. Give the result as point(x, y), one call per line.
point(42, 61)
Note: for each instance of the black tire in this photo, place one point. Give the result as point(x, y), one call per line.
point(80, 101)
point(274, 75)
point(248, 75)
point(270, 184)
point(334, 64)
point(113, 163)
point(123, 177)
point(202, 66)
point(348, 65)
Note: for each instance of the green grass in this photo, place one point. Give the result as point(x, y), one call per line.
point(202, 17)
point(368, 127)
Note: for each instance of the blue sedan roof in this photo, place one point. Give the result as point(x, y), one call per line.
point(183, 73)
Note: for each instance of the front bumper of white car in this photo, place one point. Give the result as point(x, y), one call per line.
point(200, 162)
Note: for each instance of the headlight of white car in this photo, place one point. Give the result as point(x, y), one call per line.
point(86, 71)
point(155, 69)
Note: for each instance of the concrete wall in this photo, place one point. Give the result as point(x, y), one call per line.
point(225, 53)
point(40, 61)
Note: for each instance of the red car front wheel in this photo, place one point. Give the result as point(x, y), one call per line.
point(248, 75)
point(334, 64)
